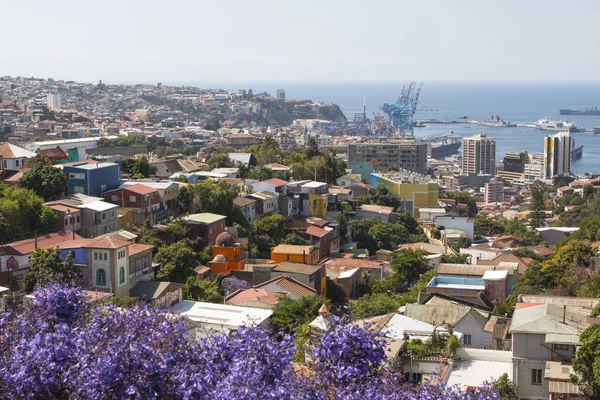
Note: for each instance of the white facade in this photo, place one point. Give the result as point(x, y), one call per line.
point(54, 101)
point(465, 224)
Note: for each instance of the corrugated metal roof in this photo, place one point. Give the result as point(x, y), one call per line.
point(563, 338)
point(563, 387)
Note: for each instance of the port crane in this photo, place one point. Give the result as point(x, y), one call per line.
point(402, 112)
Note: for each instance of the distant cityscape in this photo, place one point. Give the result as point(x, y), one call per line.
point(236, 209)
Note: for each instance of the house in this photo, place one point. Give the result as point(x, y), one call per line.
point(98, 218)
point(505, 258)
point(292, 288)
point(245, 159)
point(247, 206)
point(271, 185)
point(254, 297)
point(92, 179)
point(348, 179)
point(320, 237)
point(359, 189)
point(313, 276)
point(205, 319)
point(429, 214)
point(267, 203)
point(546, 328)
point(142, 200)
point(206, 225)
point(13, 158)
point(228, 172)
point(311, 196)
point(553, 235)
point(467, 320)
point(479, 252)
point(55, 155)
point(493, 284)
point(368, 211)
point(241, 140)
point(168, 192)
point(124, 219)
point(69, 216)
point(433, 252)
point(478, 271)
point(305, 254)
point(226, 254)
point(161, 293)
point(166, 168)
point(465, 224)
point(15, 256)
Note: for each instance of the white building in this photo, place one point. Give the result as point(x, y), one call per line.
point(13, 158)
point(54, 101)
point(465, 224)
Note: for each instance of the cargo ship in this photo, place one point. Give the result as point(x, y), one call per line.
point(576, 152)
point(579, 111)
point(443, 146)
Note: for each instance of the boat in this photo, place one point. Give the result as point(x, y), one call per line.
point(442, 146)
point(547, 124)
point(497, 122)
point(576, 152)
point(579, 111)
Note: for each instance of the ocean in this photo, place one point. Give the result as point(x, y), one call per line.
point(515, 102)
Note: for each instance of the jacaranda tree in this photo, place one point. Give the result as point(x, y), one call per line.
point(62, 347)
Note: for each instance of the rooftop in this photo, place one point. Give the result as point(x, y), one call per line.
point(293, 249)
point(254, 295)
point(376, 209)
point(8, 150)
point(456, 283)
point(204, 218)
point(296, 268)
point(138, 188)
point(289, 285)
point(276, 182)
point(152, 184)
point(50, 240)
point(399, 325)
point(243, 201)
point(98, 206)
point(315, 231)
point(221, 314)
point(96, 165)
point(150, 290)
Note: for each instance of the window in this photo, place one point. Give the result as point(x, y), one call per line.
point(16, 163)
point(114, 197)
point(121, 275)
point(78, 218)
point(133, 199)
point(536, 376)
point(105, 256)
point(467, 339)
point(103, 187)
point(100, 277)
point(95, 256)
point(66, 221)
point(103, 216)
point(78, 189)
point(561, 347)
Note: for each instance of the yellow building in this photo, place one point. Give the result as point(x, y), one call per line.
point(317, 205)
point(125, 219)
point(416, 191)
point(295, 253)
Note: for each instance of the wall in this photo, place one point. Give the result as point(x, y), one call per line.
point(122, 289)
point(469, 326)
point(467, 225)
point(108, 175)
point(309, 258)
point(522, 378)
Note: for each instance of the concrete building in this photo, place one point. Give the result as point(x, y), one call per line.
point(553, 235)
point(557, 155)
point(53, 101)
point(533, 171)
point(13, 158)
point(515, 162)
point(494, 191)
point(77, 146)
point(98, 218)
point(414, 190)
point(92, 179)
point(408, 155)
point(479, 155)
point(464, 224)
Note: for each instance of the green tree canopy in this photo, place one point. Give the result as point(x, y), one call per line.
point(208, 196)
point(586, 363)
point(219, 160)
point(46, 266)
point(290, 314)
point(374, 304)
point(142, 166)
point(409, 264)
point(538, 204)
point(177, 262)
point(24, 213)
point(464, 198)
point(202, 290)
point(43, 178)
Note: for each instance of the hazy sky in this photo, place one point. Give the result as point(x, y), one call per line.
point(284, 40)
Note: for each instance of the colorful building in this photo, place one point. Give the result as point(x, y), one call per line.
point(295, 253)
point(414, 190)
point(227, 255)
point(317, 205)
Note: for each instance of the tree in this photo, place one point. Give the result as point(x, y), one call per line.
point(371, 305)
point(485, 226)
point(382, 196)
point(294, 237)
point(178, 229)
point(505, 387)
point(454, 258)
point(409, 264)
point(462, 242)
point(219, 160)
point(46, 266)
point(289, 314)
point(232, 284)
point(464, 198)
point(141, 166)
point(208, 196)
point(266, 233)
point(312, 149)
point(177, 262)
point(24, 213)
point(586, 363)
point(43, 178)
point(388, 236)
point(201, 290)
point(342, 222)
point(505, 307)
point(538, 205)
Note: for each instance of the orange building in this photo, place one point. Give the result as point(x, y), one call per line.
point(227, 255)
point(295, 253)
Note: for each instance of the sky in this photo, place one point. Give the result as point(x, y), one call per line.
point(182, 41)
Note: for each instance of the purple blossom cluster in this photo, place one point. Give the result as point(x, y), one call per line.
point(63, 347)
point(231, 284)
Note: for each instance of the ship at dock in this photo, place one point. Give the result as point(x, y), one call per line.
point(547, 124)
point(443, 146)
point(496, 122)
point(576, 151)
point(580, 111)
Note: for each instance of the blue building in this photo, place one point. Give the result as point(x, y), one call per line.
point(92, 179)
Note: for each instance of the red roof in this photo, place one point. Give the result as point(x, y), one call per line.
point(136, 248)
point(353, 263)
point(315, 231)
point(56, 153)
point(255, 295)
point(276, 182)
point(140, 189)
point(63, 208)
point(95, 243)
point(43, 241)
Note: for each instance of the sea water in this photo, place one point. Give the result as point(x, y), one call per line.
point(519, 102)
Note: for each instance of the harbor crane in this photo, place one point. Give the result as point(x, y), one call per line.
point(402, 112)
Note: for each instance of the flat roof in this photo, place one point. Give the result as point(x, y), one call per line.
point(293, 249)
point(456, 283)
point(296, 268)
point(204, 218)
point(221, 314)
point(474, 372)
point(98, 205)
point(495, 275)
point(96, 165)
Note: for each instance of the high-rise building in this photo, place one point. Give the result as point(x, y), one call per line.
point(406, 154)
point(494, 191)
point(557, 155)
point(54, 101)
point(515, 162)
point(280, 94)
point(479, 155)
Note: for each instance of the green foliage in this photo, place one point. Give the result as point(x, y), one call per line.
point(382, 196)
point(290, 314)
point(409, 264)
point(586, 363)
point(208, 196)
point(374, 234)
point(219, 160)
point(505, 307)
point(485, 226)
point(43, 178)
point(342, 222)
point(178, 229)
point(440, 344)
point(461, 243)
point(24, 214)
point(589, 229)
point(122, 141)
point(267, 233)
point(201, 290)
point(178, 262)
point(505, 387)
point(141, 166)
point(267, 152)
point(302, 336)
point(374, 304)
point(455, 258)
point(46, 266)
point(122, 301)
point(294, 237)
point(538, 204)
